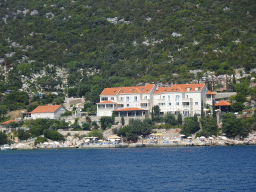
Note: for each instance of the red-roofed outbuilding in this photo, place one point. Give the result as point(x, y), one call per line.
point(223, 105)
point(48, 112)
point(6, 123)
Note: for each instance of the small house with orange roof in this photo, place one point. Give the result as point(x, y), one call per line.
point(48, 112)
point(223, 106)
point(128, 101)
point(6, 123)
point(181, 98)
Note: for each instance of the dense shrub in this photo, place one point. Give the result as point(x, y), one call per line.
point(40, 140)
point(53, 135)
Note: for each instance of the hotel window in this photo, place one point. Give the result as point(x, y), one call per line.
point(177, 103)
point(127, 105)
point(101, 106)
point(145, 97)
point(121, 98)
point(170, 104)
point(144, 104)
point(177, 98)
point(135, 98)
point(112, 98)
point(163, 97)
point(127, 98)
point(196, 103)
point(186, 96)
point(169, 97)
point(104, 98)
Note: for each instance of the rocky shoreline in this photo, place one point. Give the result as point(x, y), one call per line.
point(139, 145)
point(73, 142)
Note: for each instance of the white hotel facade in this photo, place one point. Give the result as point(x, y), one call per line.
point(139, 100)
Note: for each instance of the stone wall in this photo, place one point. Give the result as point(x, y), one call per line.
point(73, 132)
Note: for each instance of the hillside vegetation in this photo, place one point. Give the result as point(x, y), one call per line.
point(84, 46)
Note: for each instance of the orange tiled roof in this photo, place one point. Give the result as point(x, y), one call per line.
point(222, 103)
point(180, 88)
point(127, 90)
point(130, 109)
point(210, 93)
point(106, 102)
point(137, 89)
point(46, 109)
point(167, 89)
point(7, 122)
point(111, 91)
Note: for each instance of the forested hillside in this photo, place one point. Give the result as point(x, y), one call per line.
point(105, 43)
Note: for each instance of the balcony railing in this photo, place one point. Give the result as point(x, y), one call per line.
point(187, 99)
point(145, 100)
point(161, 100)
point(119, 101)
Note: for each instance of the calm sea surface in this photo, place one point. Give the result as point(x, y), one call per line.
point(142, 169)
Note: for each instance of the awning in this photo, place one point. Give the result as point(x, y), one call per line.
point(114, 137)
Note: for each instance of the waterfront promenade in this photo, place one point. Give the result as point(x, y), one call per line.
point(158, 142)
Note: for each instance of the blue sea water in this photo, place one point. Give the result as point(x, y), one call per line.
point(125, 169)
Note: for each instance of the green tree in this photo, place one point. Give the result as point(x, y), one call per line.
point(95, 133)
point(213, 109)
point(76, 125)
point(31, 107)
point(122, 121)
point(23, 135)
point(179, 120)
point(53, 135)
point(170, 119)
point(3, 111)
point(237, 106)
point(136, 128)
point(202, 108)
point(67, 113)
point(156, 113)
point(113, 118)
point(106, 122)
point(86, 126)
point(3, 138)
point(209, 126)
point(40, 140)
point(242, 88)
point(95, 125)
point(190, 126)
point(240, 97)
point(231, 125)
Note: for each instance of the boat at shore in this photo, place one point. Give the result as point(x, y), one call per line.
point(5, 147)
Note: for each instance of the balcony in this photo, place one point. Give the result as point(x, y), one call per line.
point(120, 101)
point(185, 106)
point(161, 100)
point(144, 107)
point(187, 99)
point(145, 101)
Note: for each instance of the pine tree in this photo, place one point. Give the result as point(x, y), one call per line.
point(122, 121)
point(179, 119)
point(213, 109)
point(202, 108)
